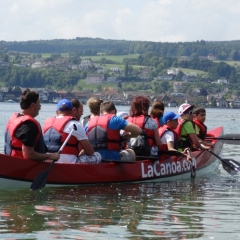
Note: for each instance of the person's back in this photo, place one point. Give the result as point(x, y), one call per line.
point(104, 133)
point(56, 130)
point(23, 137)
point(139, 116)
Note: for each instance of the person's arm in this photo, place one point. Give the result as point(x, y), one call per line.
point(196, 143)
point(84, 145)
point(29, 153)
point(132, 131)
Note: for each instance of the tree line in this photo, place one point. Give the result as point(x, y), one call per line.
point(222, 50)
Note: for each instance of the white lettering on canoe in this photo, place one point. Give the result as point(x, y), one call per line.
point(158, 169)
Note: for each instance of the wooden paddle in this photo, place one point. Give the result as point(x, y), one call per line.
point(230, 165)
point(227, 138)
point(41, 179)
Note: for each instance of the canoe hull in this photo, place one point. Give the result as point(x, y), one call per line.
point(17, 172)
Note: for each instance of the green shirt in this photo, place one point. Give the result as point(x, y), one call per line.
point(187, 129)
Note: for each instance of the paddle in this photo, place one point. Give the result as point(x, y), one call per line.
point(40, 181)
point(227, 138)
point(193, 167)
point(230, 165)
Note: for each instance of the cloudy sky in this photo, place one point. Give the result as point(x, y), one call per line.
point(144, 20)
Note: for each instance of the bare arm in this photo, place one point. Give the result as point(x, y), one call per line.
point(86, 146)
point(170, 146)
point(196, 142)
point(30, 153)
point(133, 130)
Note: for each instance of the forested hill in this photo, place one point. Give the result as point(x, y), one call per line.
point(91, 46)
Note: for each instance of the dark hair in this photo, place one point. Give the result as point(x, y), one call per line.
point(157, 109)
point(199, 110)
point(27, 98)
point(76, 103)
point(108, 107)
point(139, 106)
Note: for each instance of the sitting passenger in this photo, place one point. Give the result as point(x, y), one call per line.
point(167, 132)
point(104, 133)
point(157, 112)
point(94, 107)
point(199, 117)
point(23, 137)
point(139, 116)
point(186, 132)
point(56, 130)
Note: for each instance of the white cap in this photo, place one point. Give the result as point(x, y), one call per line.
point(184, 107)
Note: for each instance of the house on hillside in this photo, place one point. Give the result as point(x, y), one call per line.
point(94, 78)
point(235, 103)
point(222, 103)
point(172, 103)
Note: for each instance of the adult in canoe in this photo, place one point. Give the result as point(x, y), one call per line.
point(104, 133)
point(139, 116)
point(77, 110)
point(94, 107)
point(23, 137)
point(56, 130)
point(157, 112)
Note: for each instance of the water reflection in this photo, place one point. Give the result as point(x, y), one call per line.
point(168, 209)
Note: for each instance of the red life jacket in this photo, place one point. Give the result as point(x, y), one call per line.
point(184, 140)
point(139, 121)
point(54, 136)
point(13, 146)
point(203, 129)
point(161, 132)
point(100, 136)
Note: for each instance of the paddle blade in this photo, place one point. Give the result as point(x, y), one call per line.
point(40, 181)
point(231, 166)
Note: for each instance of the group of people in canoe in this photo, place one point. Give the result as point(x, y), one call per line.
point(104, 134)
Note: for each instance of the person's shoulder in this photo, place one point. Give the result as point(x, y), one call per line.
point(151, 123)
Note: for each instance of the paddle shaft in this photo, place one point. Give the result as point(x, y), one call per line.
point(227, 138)
point(40, 181)
point(61, 148)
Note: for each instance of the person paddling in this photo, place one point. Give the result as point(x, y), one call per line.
point(23, 136)
point(199, 117)
point(186, 132)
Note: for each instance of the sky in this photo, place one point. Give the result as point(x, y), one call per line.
point(143, 20)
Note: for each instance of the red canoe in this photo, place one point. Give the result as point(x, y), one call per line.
point(17, 172)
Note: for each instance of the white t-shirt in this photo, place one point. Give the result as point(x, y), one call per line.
point(80, 134)
point(167, 137)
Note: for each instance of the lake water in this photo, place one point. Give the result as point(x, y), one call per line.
point(208, 208)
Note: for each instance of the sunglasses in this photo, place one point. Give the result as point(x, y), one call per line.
point(190, 112)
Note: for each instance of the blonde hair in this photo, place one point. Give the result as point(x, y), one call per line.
point(94, 105)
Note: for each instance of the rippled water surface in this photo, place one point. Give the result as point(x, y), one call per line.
point(208, 208)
